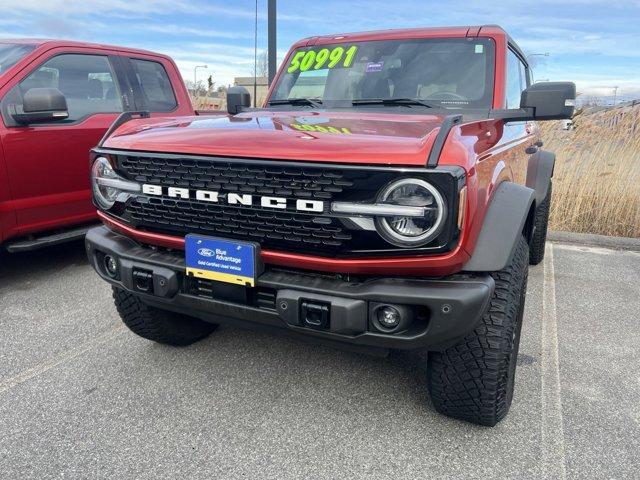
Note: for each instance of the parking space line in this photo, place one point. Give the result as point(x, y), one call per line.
point(598, 250)
point(552, 444)
point(43, 367)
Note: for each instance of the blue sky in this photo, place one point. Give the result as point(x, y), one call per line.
point(593, 42)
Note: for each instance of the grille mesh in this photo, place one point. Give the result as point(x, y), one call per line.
point(257, 224)
point(224, 176)
point(289, 230)
point(272, 228)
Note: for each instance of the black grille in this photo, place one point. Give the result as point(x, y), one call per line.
point(293, 182)
point(270, 227)
point(289, 230)
point(261, 225)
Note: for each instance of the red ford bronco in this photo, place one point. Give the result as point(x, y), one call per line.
point(390, 194)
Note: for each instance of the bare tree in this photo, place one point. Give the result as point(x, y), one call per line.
point(196, 89)
point(262, 69)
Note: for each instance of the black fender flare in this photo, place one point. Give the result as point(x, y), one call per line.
point(504, 221)
point(539, 173)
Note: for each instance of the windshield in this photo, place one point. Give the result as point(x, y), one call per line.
point(10, 53)
point(452, 73)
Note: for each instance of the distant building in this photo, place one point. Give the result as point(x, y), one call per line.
point(262, 87)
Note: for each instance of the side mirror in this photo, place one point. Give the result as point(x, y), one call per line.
point(40, 105)
point(550, 100)
point(237, 99)
point(542, 101)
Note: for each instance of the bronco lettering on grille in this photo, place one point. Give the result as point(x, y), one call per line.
point(301, 205)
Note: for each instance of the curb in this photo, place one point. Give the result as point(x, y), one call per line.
point(591, 240)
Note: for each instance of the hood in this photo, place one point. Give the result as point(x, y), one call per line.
point(343, 137)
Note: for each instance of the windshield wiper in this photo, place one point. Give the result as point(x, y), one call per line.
point(391, 101)
point(314, 102)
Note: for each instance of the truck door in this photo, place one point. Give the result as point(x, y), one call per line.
point(47, 164)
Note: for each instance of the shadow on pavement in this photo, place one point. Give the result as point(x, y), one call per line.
point(18, 266)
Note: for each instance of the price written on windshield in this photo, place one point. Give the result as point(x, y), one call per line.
point(317, 59)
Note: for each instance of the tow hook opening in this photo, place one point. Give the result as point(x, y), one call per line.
point(315, 315)
point(143, 280)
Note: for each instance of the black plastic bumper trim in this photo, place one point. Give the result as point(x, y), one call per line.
point(455, 305)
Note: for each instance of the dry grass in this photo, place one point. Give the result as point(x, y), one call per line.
point(596, 185)
point(208, 103)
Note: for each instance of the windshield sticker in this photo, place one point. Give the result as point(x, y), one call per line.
point(322, 58)
point(320, 129)
point(374, 67)
point(479, 48)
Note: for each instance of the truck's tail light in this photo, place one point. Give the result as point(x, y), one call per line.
point(107, 185)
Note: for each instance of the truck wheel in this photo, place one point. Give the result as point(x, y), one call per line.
point(159, 325)
point(539, 235)
point(474, 379)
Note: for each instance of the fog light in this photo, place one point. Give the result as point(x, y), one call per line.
point(389, 317)
point(110, 266)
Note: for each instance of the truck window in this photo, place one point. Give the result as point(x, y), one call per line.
point(452, 73)
point(87, 82)
point(155, 84)
point(516, 80)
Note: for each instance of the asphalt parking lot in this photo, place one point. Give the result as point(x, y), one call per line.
point(81, 397)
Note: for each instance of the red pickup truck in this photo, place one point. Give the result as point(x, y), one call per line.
point(57, 99)
point(391, 194)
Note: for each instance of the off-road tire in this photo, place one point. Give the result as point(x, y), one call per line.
point(539, 235)
point(474, 379)
point(159, 325)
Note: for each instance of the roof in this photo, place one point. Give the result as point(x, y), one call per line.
point(412, 33)
point(401, 33)
point(52, 43)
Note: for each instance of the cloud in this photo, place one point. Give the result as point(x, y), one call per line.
point(182, 31)
point(138, 8)
point(582, 36)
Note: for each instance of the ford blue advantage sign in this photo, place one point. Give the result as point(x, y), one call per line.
point(220, 260)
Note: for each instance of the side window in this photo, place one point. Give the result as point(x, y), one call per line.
point(156, 86)
point(516, 81)
point(87, 82)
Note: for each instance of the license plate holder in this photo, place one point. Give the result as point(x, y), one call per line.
point(222, 259)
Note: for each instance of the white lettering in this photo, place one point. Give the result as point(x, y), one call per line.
point(310, 206)
point(273, 202)
point(206, 196)
point(178, 192)
point(152, 189)
point(234, 199)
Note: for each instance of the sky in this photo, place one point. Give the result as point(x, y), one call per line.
point(595, 43)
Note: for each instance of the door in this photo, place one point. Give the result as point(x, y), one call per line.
point(48, 164)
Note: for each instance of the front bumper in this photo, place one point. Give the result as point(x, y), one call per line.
point(441, 311)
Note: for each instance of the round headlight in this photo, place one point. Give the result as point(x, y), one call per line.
point(411, 231)
point(105, 196)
